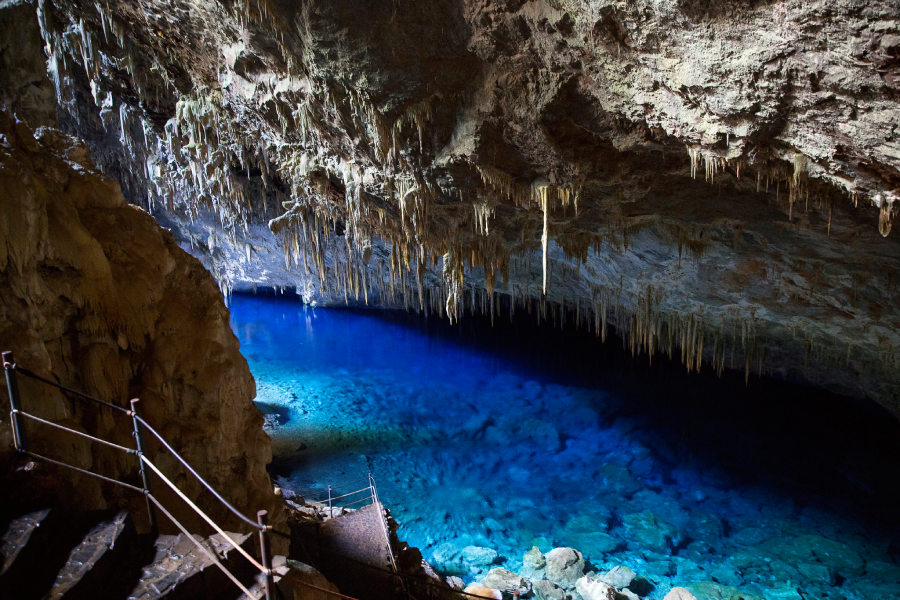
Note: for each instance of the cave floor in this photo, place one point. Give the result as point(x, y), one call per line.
point(481, 455)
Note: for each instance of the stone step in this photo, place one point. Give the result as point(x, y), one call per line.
point(16, 536)
point(181, 571)
point(92, 564)
point(43, 554)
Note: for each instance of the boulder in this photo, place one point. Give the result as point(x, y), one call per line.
point(627, 595)
point(708, 590)
point(533, 564)
point(648, 531)
point(619, 480)
point(541, 434)
point(785, 593)
point(838, 556)
point(484, 592)
point(618, 577)
point(446, 557)
point(588, 523)
point(679, 593)
point(456, 583)
point(882, 571)
point(478, 556)
point(812, 548)
point(565, 566)
point(706, 527)
point(594, 545)
point(547, 590)
point(506, 581)
point(688, 570)
point(594, 589)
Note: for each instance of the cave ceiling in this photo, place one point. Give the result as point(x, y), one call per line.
point(714, 179)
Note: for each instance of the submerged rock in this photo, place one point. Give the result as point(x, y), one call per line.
point(593, 545)
point(533, 564)
point(619, 577)
point(478, 556)
point(456, 583)
point(785, 593)
point(679, 593)
point(708, 590)
point(565, 566)
point(815, 573)
point(484, 592)
point(547, 590)
point(619, 480)
point(811, 548)
point(647, 530)
point(506, 581)
point(594, 589)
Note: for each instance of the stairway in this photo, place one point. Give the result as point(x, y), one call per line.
point(49, 554)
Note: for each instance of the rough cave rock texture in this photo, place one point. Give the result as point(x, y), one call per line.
point(715, 179)
point(95, 296)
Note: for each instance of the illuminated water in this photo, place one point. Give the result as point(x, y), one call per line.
point(516, 436)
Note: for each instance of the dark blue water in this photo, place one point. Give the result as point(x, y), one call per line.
point(488, 441)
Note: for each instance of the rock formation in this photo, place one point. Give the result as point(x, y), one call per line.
point(712, 178)
point(95, 296)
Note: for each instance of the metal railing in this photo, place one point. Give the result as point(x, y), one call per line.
point(410, 584)
point(18, 416)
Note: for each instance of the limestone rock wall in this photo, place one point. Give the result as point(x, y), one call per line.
point(25, 88)
point(96, 296)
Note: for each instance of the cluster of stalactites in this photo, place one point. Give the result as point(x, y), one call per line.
point(541, 192)
point(796, 179)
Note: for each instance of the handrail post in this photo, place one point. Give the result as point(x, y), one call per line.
point(12, 385)
point(262, 517)
point(145, 475)
point(330, 510)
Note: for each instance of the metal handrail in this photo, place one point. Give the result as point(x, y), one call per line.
point(209, 488)
point(20, 441)
point(85, 471)
point(384, 525)
point(365, 489)
point(202, 514)
point(211, 555)
point(75, 431)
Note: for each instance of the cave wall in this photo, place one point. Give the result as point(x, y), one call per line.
point(25, 88)
point(96, 296)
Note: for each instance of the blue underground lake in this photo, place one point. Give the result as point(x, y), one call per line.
point(488, 440)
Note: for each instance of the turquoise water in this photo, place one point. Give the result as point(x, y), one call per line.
point(514, 436)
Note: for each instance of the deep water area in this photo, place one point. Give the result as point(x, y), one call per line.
point(486, 440)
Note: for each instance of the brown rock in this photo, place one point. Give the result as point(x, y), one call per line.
point(95, 295)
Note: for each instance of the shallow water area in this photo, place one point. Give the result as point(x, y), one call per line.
point(485, 442)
